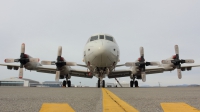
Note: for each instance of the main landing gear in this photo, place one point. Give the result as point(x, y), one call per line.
point(66, 83)
point(132, 82)
point(99, 83)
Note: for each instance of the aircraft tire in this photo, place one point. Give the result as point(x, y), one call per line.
point(103, 85)
point(98, 83)
point(69, 83)
point(136, 83)
point(64, 83)
point(131, 83)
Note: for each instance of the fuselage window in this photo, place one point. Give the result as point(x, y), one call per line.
point(94, 38)
point(109, 38)
point(101, 37)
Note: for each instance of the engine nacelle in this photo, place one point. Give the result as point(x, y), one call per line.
point(9, 67)
point(133, 70)
point(16, 68)
point(189, 68)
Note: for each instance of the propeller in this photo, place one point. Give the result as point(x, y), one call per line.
point(24, 58)
point(176, 61)
point(142, 64)
point(59, 63)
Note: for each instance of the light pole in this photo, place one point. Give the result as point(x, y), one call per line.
point(159, 84)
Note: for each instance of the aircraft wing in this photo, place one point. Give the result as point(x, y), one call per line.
point(191, 65)
point(119, 73)
point(11, 65)
point(73, 72)
point(125, 73)
point(80, 73)
point(81, 65)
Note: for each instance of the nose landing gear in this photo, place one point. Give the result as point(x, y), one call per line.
point(99, 83)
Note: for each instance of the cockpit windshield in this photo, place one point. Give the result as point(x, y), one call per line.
point(94, 38)
point(109, 38)
point(101, 37)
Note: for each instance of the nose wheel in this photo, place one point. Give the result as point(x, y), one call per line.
point(99, 83)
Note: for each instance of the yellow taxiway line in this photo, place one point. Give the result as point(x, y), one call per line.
point(56, 107)
point(178, 107)
point(112, 103)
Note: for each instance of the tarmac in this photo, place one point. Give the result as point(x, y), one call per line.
point(44, 99)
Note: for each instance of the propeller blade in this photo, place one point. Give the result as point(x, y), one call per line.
point(179, 73)
point(59, 50)
point(34, 59)
point(21, 73)
point(143, 74)
point(166, 62)
point(57, 76)
point(141, 51)
point(176, 49)
point(9, 60)
point(23, 48)
point(70, 63)
point(48, 62)
point(189, 60)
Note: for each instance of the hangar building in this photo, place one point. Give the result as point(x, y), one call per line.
point(14, 81)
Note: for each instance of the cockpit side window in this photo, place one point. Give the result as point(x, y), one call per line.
point(101, 36)
point(109, 38)
point(94, 38)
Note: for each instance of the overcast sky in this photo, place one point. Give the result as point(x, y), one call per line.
point(156, 25)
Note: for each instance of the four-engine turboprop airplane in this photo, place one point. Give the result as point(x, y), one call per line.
point(101, 55)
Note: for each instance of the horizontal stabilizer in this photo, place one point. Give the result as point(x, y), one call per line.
point(166, 62)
